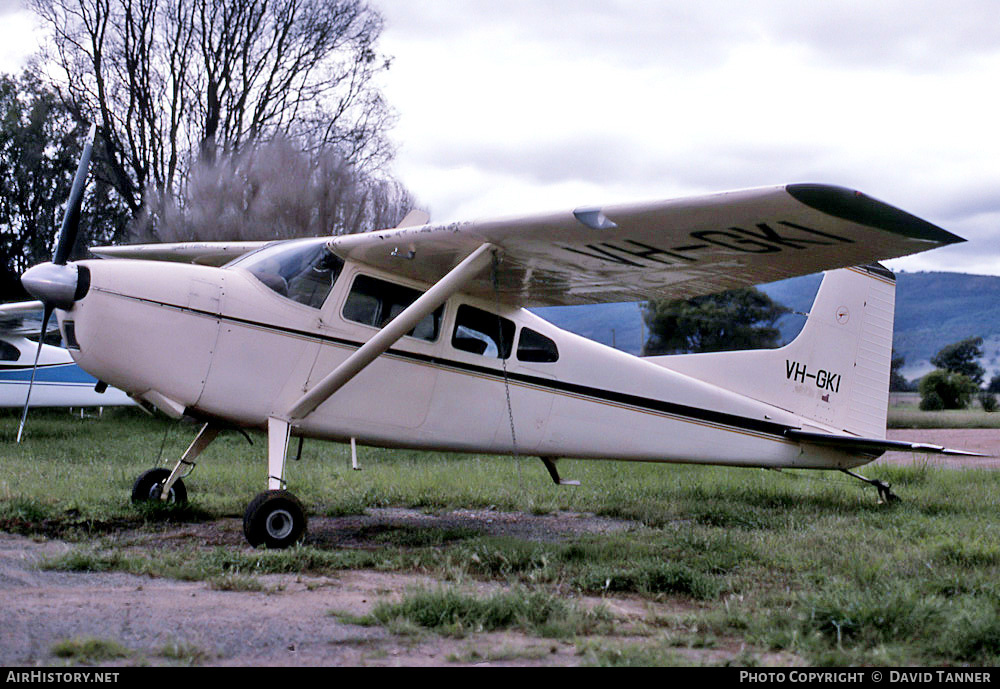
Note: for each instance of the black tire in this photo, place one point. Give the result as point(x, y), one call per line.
point(148, 486)
point(274, 518)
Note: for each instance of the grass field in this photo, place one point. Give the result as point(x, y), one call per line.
point(795, 562)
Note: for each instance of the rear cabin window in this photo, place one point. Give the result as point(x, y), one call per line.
point(375, 302)
point(536, 348)
point(482, 332)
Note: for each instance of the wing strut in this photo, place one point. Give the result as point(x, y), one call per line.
point(278, 428)
point(406, 321)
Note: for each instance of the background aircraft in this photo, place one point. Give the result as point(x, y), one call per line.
point(59, 382)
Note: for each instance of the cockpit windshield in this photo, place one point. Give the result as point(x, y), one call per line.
point(303, 271)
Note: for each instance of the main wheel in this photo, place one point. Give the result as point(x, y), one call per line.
point(274, 518)
point(149, 486)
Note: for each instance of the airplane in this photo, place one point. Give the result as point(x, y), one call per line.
point(420, 336)
point(59, 381)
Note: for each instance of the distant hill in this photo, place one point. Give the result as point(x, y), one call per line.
point(932, 310)
point(936, 309)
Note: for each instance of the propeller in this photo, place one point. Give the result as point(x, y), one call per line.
point(56, 284)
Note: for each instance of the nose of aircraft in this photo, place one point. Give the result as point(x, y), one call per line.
point(57, 286)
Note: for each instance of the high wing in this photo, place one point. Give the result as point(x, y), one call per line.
point(666, 249)
point(202, 253)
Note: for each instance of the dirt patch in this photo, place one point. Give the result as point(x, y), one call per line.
point(158, 618)
point(386, 525)
point(357, 531)
point(300, 620)
point(290, 622)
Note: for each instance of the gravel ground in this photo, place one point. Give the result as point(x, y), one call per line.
point(289, 623)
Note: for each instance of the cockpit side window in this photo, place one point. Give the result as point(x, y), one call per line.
point(301, 271)
point(375, 302)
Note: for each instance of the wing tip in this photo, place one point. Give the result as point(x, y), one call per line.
point(854, 206)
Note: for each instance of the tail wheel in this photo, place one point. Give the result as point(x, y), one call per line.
point(274, 518)
point(149, 487)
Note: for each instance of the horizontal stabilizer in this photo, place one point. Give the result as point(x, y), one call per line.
point(873, 446)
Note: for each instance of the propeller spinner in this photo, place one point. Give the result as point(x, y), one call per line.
point(56, 284)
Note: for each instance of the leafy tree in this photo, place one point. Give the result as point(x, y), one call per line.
point(941, 389)
point(897, 383)
point(39, 150)
point(988, 401)
point(994, 385)
point(736, 319)
point(961, 357)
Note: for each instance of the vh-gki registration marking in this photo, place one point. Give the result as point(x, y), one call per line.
point(763, 239)
point(822, 379)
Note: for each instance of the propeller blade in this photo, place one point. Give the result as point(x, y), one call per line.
point(46, 314)
point(55, 284)
point(71, 220)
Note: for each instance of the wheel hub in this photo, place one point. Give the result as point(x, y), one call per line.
point(279, 524)
point(156, 490)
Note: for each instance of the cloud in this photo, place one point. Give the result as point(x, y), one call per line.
point(898, 34)
point(911, 36)
point(8, 7)
point(18, 36)
point(507, 105)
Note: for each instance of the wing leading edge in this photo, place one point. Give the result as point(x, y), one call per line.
point(666, 249)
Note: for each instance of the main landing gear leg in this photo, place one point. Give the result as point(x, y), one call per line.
point(166, 486)
point(275, 518)
point(885, 494)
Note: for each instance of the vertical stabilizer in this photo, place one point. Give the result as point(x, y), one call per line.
point(836, 372)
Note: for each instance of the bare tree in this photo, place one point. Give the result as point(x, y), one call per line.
point(177, 81)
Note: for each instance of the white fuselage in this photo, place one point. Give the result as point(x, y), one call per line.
point(220, 344)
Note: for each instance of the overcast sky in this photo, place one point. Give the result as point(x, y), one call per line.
point(516, 106)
